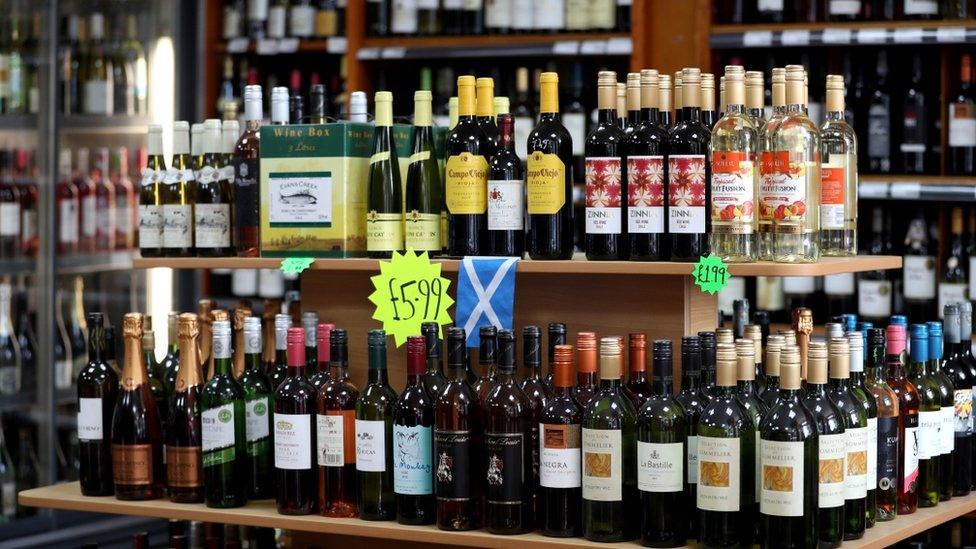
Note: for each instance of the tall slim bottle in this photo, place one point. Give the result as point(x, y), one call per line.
point(856, 427)
point(434, 379)
point(374, 437)
point(832, 448)
point(506, 195)
point(537, 395)
point(384, 206)
point(908, 402)
point(929, 418)
point(858, 383)
point(222, 421)
point(692, 403)
point(178, 195)
point(605, 184)
point(560, 496)
point(413, 422)
point(282, 323)
point(689, 173)
point(294, 437)
point(886, 493)
point(838, 176)
point(549, 178)
point(184, 450)
point(150, 198)
point(257, 412)
point(962, 386)
point(137, 445)
point(638, 386)
point(98, 388)
point(424, 190)
point(586, 374)
point(767, 189)
point(644, 149)
point(946, 442)
point(336, 434)
point(247, 168)
point(466, 176)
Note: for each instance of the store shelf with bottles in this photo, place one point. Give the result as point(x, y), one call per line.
point(335, 45)
point(917, 187)
point(263, 513)
point(95, 263)
point(97, 123)
point(860, 33)
point(18, 122)
point(519, 45)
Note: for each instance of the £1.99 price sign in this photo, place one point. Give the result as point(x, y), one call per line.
point(711, 274)
point(408, 292)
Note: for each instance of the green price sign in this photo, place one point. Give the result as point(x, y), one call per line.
point(408, 292)
point(295, 265)
point(711, 274)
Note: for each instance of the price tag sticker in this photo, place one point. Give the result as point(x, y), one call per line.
point(408, 292)
point(266, 46)
point(237, 45)
point(295, 265)
point(757, 39)
point(711, 274)
point(836, 36)
point(795, 38)
point(950, 35)
point(908, 36)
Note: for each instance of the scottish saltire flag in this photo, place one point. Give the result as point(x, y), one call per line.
point(485, 295)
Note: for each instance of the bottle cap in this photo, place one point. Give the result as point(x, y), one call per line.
point(532, 346)
point(610, 350)
point(840, 358)
point(416, 355)
point(789, 368)
point(725, 365)
point(745, 351)
point(563, 366)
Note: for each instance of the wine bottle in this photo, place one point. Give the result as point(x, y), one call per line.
point(962, 385)
point(118, 177)
point(855, 421)
point(609, 455)
point(549, 178)
point(662, 433)
point(170, 365)
point(537, 395)
point(484, 109)
point(223, 429)
point(11, 365)
point(155, 383)
point(247, 168)
point(559, 453)
point(384, 216)
point(211, 209)
point(726, 442)
point(733, 149)
point(429, 17)
point(965, 351)
point(637, 388)
point(755, 90)
point(374, 437)
point(748, 395)
point(774, 347)
point(557, 336)
point(179, 184)
point(424, 190)
point(605, 209)
point(954, 281)
point(98, 388)
point(506, 190)
point(184, 458)
point(282, 323)
point(888, 434)
point(767, 191)
point(708, 114)
point(708, 373)
point(838, 176)
point(858, 386)
point(644, 148)
point(323, 353)
point(434, 380)
point(688, 175)
point(946, 443)
point(413, 420)
point(294, 438)
point(456, 419)
point(908, 406)
point(310, 322)
point(487, 346)
point(137, 450)
point(336, 428)
point(915, 128)
point(150, 199)
point(257, 413)
point(587, 371)
point(692, 401)
point(508, 451)
point(962, 123)
point(466, 179)
point(68, 211)
point(879, 120)
point(789, 463)
point(929, 418)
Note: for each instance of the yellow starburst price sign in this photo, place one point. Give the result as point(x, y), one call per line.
point(410, 291)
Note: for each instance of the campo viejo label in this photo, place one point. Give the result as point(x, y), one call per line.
point(466, 178)
point(545, 183)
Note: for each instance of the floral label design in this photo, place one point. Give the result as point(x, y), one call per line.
point(603, 195)
point(686, 193)
point(783, 191)
point(733, 191)
point(645, 194)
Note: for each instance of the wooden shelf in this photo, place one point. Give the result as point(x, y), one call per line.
point(516, 45)
point(577, 266)
point(262, 513)
point(957, 31)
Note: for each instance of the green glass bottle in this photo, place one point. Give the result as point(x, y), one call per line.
point(222, 421)
point(374, 437)
point(748, 395)
point(929, 418)
point(946, 433)
point(156, 386)
point(384, 204)
point(280, 371)
point(856, 428)
point(855, 340)
point(424, 190)
point(170, 365)
point(257, 415)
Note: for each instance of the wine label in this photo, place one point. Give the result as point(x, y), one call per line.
point(212, 225)
point(833, 458)
point(257, 10)
point(855, 477)
point(963, 412)
point(466, 183)
point(384, 231)
point(88, 217)
point(293, 441)
point(257, 426)
point(370, 445)
point(719, 473)
point(921, 7)
point(645, 194)
point(177, 219)
point(505, 467)
point(10, 219)
point(577, 13)
point(962, 125)
point(602, 464)
point(452, 474)
point(68, 222)
point(246, 198)
point(887, 453)
point(603, 195)
point(602, 14)
point(506, 202)
point(412, 461)
point(545, 183)
point(660, 466)
point(150, 226)
point(799, 285)
point(686, 193)
point(183, 466)
point(277, 16)
point(97, 98)
point(132, 464)
point(918, 275)
point(874, 298)
point(872, 473)
point(929, 436)
point(104, 216)
point(298, 199)
point(498, 13)
point(559, 456)
point(844, 7)
point(301, 20)
point(90, 425)
point(951, 292)
point(336, 438)
point(781, 492)
point(783, 191)
point(833, 189)
point(218, 430)
point(691, 464)
point(947, 439)
point(423, 231)
point(910, 457)
point(733, 192)
point(549, 15)
point(839, 284)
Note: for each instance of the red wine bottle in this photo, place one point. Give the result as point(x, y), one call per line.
point(638, 387)
point(605, 184)
point(688, 175)
point(560, 493)
point(537, 393)
point(413, 422)
point(646, 175)
point(293, 434)
point(466, 177)
point(336, 434)
point(506, 188)
point(98, 387)
point(557, 336)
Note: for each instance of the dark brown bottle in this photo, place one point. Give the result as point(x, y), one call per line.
point(487, 344)
point(606, 189)
point(98, 388)
point(560, 494)
point(137, 439)
point(557, 336)
point(586, 373)
point(294, 434)
point(637, 388)
point(466, 177)
point(688, 175)
point(537, 394)
point(336, 431)
point(184, 448)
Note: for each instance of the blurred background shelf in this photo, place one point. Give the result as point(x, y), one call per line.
point(861, 33)
point(519, 45)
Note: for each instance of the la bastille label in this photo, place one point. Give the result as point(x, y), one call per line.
point(467, 184)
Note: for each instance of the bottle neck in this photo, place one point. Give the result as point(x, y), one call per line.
point(839, 383)
point(558, 391)
point(610, 383)
point(586, 379)
point(746, 386)
point(689, 380)
point(662, 385)
point(252, 362)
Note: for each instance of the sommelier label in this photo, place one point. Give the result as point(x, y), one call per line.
point(506, 202)
point(833, 187)
point(733, 191)
point(660, 466)
point(559, 456)
point(293, 441)
point(887, 452)
point(465, 183)
point(781, 492)
point(370, 445)
point(947, 439)
point(452, 472)
point(872, 474)
point(504, 467)
point(645, 194)
point(602, 465)
point(719, 473)
point(212, 225)
point(545, 183)
point(90, 419)
point(929, 440)
point(257, 426)
point(412, 463)
point(176, 225)
point(217, 426)
point(603, 195)
point(833, 461)
point(686, 193)
point(855, 477)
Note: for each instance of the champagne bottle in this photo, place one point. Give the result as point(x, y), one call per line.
point(384, 215)
point(184, 457)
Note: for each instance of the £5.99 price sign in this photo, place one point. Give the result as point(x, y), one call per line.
point(408, 292)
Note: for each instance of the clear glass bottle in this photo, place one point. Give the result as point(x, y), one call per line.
point(795, 178)
point(733, 150)
point(838, 176)
point(755, 98)
point(765, 225)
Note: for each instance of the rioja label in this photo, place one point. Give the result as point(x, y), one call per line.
point(412, 463)
point(833, 461)
point(855, 477)
point(559, 456)
point(370, 445)
point(602, 465)
point(645, 194)
point(90, 419)
point(452, 469)
point(217, 425)
point(660, 466)
point(781, 491)
point(719, 473)
point(603, 195)
point(504, 461)
point(293, 441)
point(465, 183)
point(733, 192)
point(686, 193)
point(545, 183)
point(506, 201)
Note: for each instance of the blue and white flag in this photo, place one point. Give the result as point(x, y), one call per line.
point(486, 294)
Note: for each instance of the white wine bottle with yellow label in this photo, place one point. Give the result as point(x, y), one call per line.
point(384, 214)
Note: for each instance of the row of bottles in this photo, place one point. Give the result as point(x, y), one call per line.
point(276, 19)
point(841, 11)
point(18, 204)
